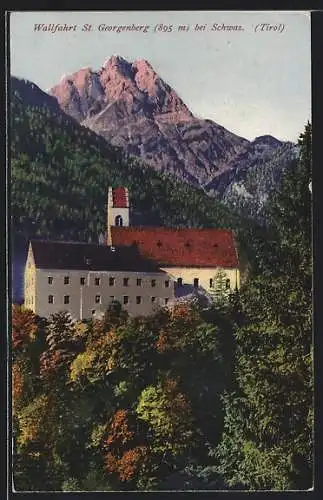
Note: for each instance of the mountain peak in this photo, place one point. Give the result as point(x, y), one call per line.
point(142, 64)
point(115, 60)
point(133, 86)
point(267, 140)
point(118, 64)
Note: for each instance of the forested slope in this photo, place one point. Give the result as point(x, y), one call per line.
point(60, 173)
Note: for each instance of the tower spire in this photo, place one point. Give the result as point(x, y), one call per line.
point(117, 210)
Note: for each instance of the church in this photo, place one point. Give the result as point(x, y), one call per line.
point(143, 268)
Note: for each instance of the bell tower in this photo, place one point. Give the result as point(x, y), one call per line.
point(117, 210)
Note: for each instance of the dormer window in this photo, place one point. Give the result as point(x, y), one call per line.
point(118, 220)
point(88, 261)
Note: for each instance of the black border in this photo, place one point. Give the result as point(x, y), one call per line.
point(5, 276)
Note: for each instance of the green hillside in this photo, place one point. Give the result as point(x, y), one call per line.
point(61, 171)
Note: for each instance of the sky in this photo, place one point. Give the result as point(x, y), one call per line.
point(255, 81)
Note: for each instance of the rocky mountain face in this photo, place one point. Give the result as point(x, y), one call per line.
point(254, 176)
point(133, 108)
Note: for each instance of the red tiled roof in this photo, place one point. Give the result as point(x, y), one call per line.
point(119, 197)
point(181, 247)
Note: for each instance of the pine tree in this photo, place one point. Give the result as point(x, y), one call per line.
point(267, 440)
point(220, 291)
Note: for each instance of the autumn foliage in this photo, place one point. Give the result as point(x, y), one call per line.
point(122, 456)
point(130, 462)
point(24, 326)
point(119, 432)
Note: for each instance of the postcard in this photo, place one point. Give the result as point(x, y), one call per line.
point(161, 194)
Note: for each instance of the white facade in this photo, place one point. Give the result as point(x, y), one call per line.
point(203, 277)
point(88, 293)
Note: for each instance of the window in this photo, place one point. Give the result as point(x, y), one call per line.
point(98, 299)
point(153, 299)
point(97, 281)
point(166, 283)
point(112, 281)
point(211, 283)
point(66, 280)
point(93, 311)
point(50, 280)
point(138, 300)
point(196, 282)
point(139, 281)
point(227, 283)
point(111, 297)
point(118, 220)
point(82, 281)
point(50, 299)
point(125, 299)
point(153, 283)
point(125, 281)
point(179, 281)
point(66, 299)
point(166, 301)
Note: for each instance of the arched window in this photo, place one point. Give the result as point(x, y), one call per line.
point(118, 220)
